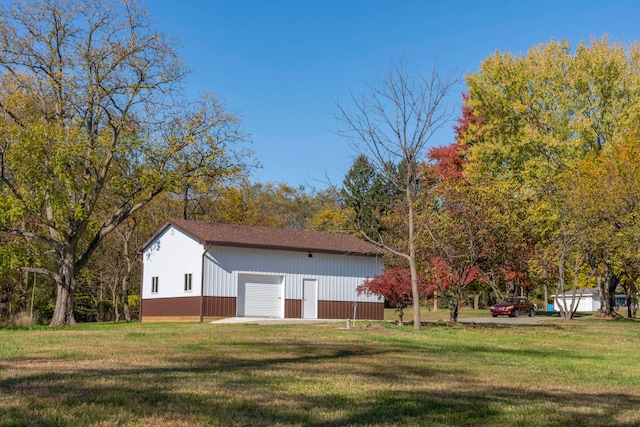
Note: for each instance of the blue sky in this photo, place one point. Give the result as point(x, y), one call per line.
point(282, 64)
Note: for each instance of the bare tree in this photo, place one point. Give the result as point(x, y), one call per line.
point(392, 124)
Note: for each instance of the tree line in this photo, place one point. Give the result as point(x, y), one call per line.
point(540, 188)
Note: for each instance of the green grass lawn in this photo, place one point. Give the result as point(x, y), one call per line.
point(580, 373)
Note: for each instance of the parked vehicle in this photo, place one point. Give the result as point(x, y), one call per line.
point(513, 307)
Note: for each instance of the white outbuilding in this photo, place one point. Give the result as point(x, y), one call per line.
point(583, 300)
point(196, 271)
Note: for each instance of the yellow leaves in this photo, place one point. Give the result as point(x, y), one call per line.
point(329, 218)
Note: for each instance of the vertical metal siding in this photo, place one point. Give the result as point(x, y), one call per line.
point(219, 307)
point(293, 309)
point(344, 310)
point(172, 307)
point(338, 275)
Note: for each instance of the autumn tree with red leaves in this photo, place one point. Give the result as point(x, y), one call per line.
point(395, 287)
point(471, 236)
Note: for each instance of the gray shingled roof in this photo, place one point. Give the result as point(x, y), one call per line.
point(270, 238)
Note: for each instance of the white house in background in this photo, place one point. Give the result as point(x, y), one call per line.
point(196, 271)
point(586, 299)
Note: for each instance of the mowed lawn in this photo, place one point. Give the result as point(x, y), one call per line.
point(580, 373)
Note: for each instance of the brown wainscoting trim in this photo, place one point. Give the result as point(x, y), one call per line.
point(344, 310)
point(292, 309)
point(155, 319)
point(219, 307)
point(180, 306)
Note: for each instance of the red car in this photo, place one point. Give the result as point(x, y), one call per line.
point(512, 307)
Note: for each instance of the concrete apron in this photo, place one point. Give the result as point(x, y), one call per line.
point(274, 321)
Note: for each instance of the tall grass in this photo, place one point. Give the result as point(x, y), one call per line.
point(25, 320)
point(580, 373)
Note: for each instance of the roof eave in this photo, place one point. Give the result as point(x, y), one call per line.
point(288, 248)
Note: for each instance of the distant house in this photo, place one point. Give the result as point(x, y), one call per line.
point(587, 299)
point(196, 271)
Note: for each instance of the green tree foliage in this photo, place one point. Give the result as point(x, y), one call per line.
point(277, 205)
point(602, 199)
point(471, 236)
point(366, 196)
point(94, 127)
point(542, 114)
point(12, 257)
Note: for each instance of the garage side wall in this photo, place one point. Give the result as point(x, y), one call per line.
point(167, 260)
point(585, 303)
point(337, 277)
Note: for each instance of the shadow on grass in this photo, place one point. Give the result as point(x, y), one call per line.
point(85, 402)
point(243, 391)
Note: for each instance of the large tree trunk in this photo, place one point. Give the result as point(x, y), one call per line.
point(63, 313)
point(65, 302)
point(607, 290)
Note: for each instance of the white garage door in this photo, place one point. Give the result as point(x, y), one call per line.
point(260, 296)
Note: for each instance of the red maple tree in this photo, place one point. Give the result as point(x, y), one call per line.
point(394, 285)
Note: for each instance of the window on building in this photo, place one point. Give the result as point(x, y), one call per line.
point(154, 285)
point(187, 282)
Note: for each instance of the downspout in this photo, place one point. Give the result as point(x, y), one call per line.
point(206, 248)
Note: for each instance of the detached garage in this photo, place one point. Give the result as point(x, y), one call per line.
point(196, 271)
point(583, 300)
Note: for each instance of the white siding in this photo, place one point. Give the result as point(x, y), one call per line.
point(337, 275)
point(586, 303)
point(169, 257)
